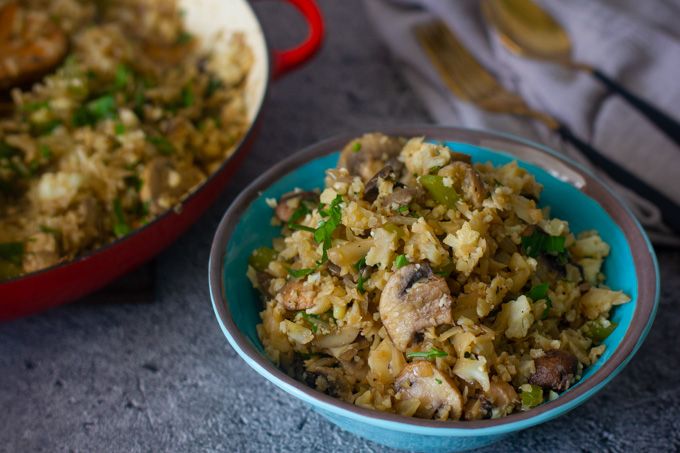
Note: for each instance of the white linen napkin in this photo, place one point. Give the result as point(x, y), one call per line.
point(637, 43)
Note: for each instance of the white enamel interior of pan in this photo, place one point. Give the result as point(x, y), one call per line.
point(214, 21)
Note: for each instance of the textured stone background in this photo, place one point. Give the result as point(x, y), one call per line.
point(114, 375)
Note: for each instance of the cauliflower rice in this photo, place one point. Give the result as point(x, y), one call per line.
point(422, 284)
point(132, 120)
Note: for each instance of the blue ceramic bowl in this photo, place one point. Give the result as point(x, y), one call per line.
point(573, 193)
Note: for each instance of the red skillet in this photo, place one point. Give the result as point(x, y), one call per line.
point(69, 281)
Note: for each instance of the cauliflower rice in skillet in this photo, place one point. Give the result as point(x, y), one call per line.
point(422, 284)
point(115, 115)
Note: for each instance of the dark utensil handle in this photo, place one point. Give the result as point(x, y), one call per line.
point(665, 123)
point(670, 211)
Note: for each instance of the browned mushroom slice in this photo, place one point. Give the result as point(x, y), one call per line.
point(26, 59)
point(414, 298)
point(372, 188)
point(291, 201)
point(438, 395)
point(501, 394)
point(164, 183)
point(263, 280)
point(369, 153)
point(555, 370)
point(400, 197)
point(294, 296)
point(460, 157)
point(330, 381)
point(475, 187)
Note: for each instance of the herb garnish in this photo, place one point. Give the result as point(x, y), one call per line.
point(323, 234)
point(46, 229)
point(162, 144)
point(360, 283)
point(12, 251)
point(308, 317)
point(356, 147)
point(403, 208)
point(93, 111)
point(35, 106)
point(401, 261)
point(431, 354)
point(541, 242)
point(121, 227)
point(540, 292)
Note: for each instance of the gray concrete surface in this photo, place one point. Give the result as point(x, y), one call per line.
point(112, 375)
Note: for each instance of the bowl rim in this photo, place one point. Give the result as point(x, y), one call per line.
point(643, 316)
point(176, 209)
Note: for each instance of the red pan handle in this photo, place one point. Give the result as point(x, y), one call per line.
point(285, 61)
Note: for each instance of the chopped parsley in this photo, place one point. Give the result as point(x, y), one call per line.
point(308, 317)
point(162, 144)
point(300, 212)
point(439, 381)
point(403, 208)
point(401, 261)
point(45, 151)
point(434, 169)
point(213, 86)
point(540, 292)
point(467, 355)
point(122, 78)
point(498, 182)
point(120, 227)
point(323, 234)
point(47, 127)
point(187, 96)
point(135, 182)
point(431, 354)
point(12, 251)
point(119, 128)
point(94, 111)
point(46, 229)
point(356, 147)
point(184, 38)
point(360, 283)
point(35, 106)
point(541, 242)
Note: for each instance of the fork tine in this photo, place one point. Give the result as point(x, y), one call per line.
point(431, 42)
point(459, 69)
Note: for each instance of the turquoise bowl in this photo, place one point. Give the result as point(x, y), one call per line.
point(573, 193)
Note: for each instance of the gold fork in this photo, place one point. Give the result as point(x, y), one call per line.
point(472, 83)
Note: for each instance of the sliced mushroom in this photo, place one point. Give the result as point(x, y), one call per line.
point(555, 370)
point(460, 157)
point(475, 187)
point(330, 381)
point(372, 187)
point(164, 183)
point(263, 280)
point(500, 394)
point(26, 59)
point(294, 296)
point(413, 299)
point(477, 409)
point(438, 395)
point(334, 269)
point(400, 197)
point(289, 203)
point(338, 339)
point(368, 154)
point(402, 220)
